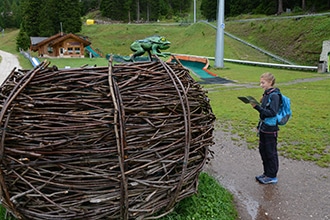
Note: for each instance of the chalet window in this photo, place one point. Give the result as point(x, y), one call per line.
point(77, 50)
point(70, 50)
point(50, 49)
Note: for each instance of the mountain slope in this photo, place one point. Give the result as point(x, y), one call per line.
point(298, 39)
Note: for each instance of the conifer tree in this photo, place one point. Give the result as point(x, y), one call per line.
point(46, 19)
point(68, 12)
point(114, 9)
point(22, 40)
point(209, 9)
point(6, 20)
point(49, 22)
point(17, 13)
point(30, 17)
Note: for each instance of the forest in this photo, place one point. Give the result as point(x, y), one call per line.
point(48, 17)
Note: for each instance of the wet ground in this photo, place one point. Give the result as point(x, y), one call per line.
point(303, 190)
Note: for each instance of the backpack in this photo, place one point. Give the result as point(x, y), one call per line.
point(284, 113)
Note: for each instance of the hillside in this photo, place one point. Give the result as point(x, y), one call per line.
point(299, 40)
point(296, 39)
point(197, 39)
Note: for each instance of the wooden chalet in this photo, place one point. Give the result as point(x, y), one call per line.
point(59, 45)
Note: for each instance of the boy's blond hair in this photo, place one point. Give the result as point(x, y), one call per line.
point(268, 77)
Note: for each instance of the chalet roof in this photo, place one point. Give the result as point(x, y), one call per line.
point(66, 36)
point(36, 40)
point(55, 39)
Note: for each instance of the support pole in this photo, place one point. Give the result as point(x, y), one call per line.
point(328, 70)
point(219, 45)
point(194, 11)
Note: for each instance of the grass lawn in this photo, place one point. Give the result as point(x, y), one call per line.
point(305, 137)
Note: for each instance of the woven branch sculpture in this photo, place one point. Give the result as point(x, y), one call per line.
point(126, 141)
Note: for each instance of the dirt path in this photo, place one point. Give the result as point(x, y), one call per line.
point(7, 64)
point(303, 190)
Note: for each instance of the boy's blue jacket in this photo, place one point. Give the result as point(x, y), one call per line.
point(268, 109)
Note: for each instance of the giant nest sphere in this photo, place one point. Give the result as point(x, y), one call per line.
point(126, 141)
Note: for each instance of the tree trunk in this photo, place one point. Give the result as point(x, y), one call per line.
point(280, 7)
point(129, 16)
point(138, 11)
point(148, 11)
point(303, 5)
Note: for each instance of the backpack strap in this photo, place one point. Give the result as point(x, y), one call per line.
point(272, 121)
point(271, 91)
point(274, 91)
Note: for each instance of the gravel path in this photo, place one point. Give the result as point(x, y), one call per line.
point(7, 64)
point(302, 193)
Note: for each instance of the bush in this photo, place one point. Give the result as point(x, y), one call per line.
point(22, 41)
